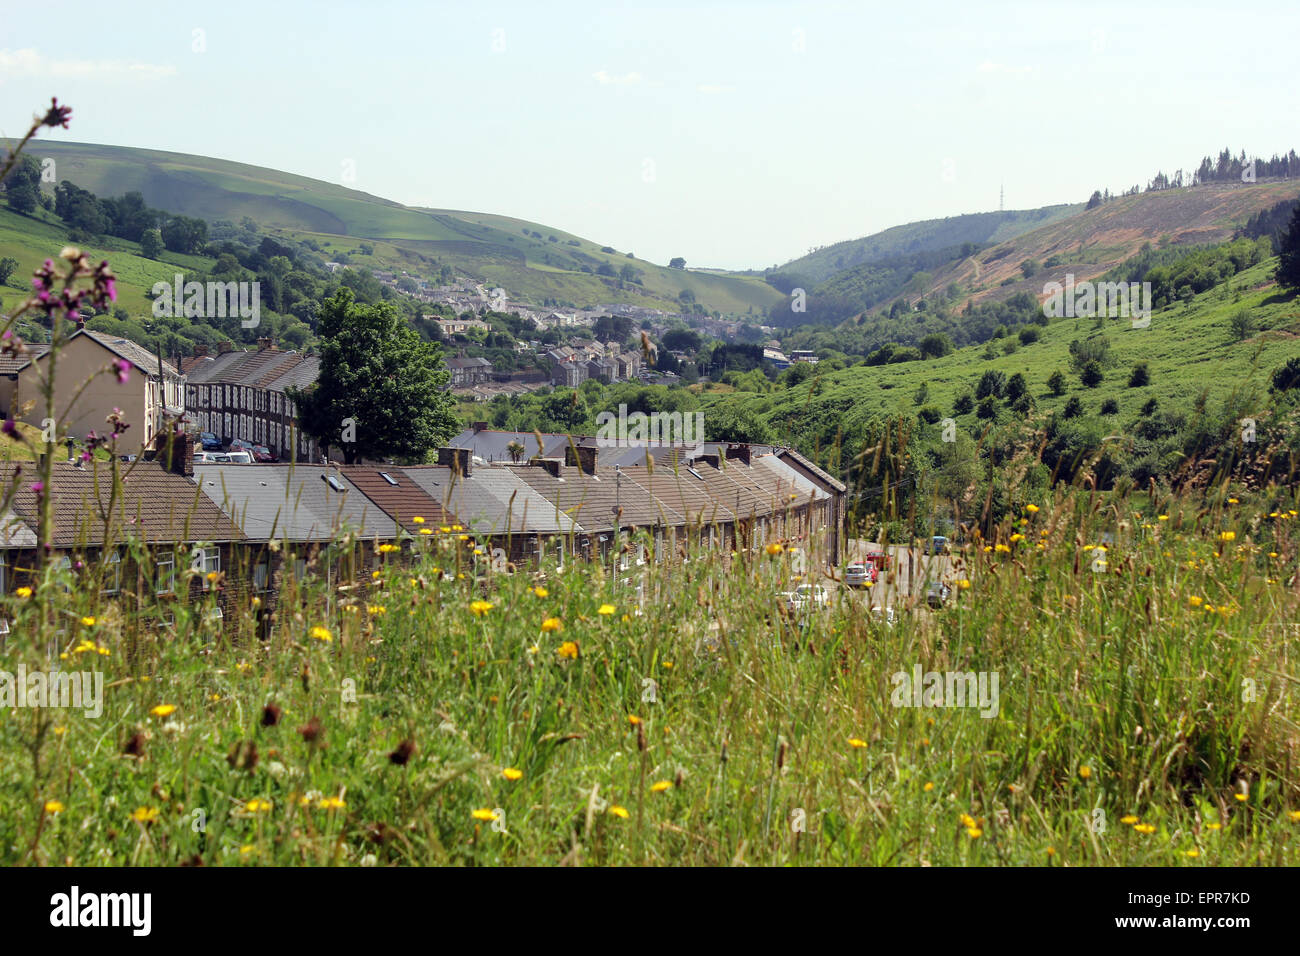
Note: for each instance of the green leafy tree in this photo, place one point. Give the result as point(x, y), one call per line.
point(151, 244)
point(1140, 377)
point(1056, 384)
point(1091, 375)
point(1288, 263)
point(677, 263)
point(7, 266)
point(380, 385)
point(1242, 324)
point(23, 186)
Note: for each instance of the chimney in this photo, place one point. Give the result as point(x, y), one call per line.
point(200, 351)
point(266, 345)
point(480, 427)
point(552, 465)
point(581, 457)
point(709, 459)
point(457, 459)
point(178, 453)
point(738, 451)
point(224, 347)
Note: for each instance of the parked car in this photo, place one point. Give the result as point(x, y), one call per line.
point(859, 574)
point(886, 614)
point(238, 444)
point(239, 458)
point(209, 442)
point(262, 454)
point(879, 558)
point(203, 457)
point(938, 545)
point(936, 594)
point(806, 597)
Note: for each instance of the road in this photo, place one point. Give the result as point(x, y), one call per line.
point(909, 572)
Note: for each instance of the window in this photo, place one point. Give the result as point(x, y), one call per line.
point(334, 483)
point(261, 576)
point(2, 571)
point(299, 568)
point(112, 573)
point(165, 572)
point(388, 478)
point(206, 561)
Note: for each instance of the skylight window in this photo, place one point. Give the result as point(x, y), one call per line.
point(334, 483)
point(388, 478)
point(695, 473)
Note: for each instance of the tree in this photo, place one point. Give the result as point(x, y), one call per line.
point(1141, 376)
point(1288, 262)
point(151, 245)
point(677, 263)
point(1110, 407)
point(184, 234)
point(1016, 387)
point(1287, 377)
point(1057, 383)
point(1073, 408)
point(1091, 375)
point(963, 404)
point(381, 389)
point(992, 383)
point(1242, 324)
point(1095, 199)
point(935, 345)
point(23, 186)
point(7, 266)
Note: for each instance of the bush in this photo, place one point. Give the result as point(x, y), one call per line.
point(1073, 408)
point(1057, 383)
point(963, 405)
point(1110, 407)
point(1028, 335)
point(988, 408)
point(1287, 377)
point(1140, 377)
point(929, 414)
point(1091, 375)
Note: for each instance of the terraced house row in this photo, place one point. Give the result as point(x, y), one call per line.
point(208, 539)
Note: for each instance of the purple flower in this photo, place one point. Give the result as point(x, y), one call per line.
point(57, 115)
point(123, 368)
point(38, 487)
point(9, 428)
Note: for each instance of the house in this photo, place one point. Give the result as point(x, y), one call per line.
point(243, 394)
point(569, 374)
point(467, 372)
point(147, 389)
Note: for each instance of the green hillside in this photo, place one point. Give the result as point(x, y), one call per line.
point(533, 262)
point(1190, 350)
point(931, 234)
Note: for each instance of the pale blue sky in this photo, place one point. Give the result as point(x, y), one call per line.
point(768, 128)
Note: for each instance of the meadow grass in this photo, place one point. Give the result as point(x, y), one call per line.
point(1146, 713)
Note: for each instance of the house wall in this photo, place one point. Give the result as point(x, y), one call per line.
point(80, 359)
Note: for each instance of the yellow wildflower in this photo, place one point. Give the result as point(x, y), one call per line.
point(480, 607)
point(659, 786)
point(511, 774)
point(551, 624)
point(856, 742)
point(605, 609)
point(568, 649)
point(53, 806)
point(163, 710)
point(322, 634)
point(618, 811)
point(484, 814)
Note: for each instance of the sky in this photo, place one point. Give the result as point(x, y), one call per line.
point(736, 135)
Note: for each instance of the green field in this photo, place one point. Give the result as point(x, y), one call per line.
point(1145, 714)
point(489, 248)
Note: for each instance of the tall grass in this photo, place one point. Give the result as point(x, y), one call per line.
point(1147, 714)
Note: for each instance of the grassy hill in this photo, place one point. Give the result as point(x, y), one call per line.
point(1096, 240)
point(925, 236)
point(1189, 349)
point(532, 261)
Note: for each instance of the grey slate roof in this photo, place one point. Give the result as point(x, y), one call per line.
point(491, 500)
point(293, 501)
point(490, 445)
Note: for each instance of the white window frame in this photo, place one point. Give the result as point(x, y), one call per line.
point(206, 559)
point(164, 559)
point(114, 560)
point(263, 570)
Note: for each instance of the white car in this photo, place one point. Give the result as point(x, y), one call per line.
point(806, 596)
point(886, 614)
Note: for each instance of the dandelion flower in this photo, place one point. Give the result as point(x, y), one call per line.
point(418, 520)
point(774, 548)
point(928, 787)
point(480, 607)
point(967, 820)
point(258, 805)
point(24, 593)
point(620, 812)
point(963, 584)
point(1032, 509)
point(856, 742)
point(88, 621)
point(163, 710)
point(1241, 797)
point(331, 803)
point(1128, 819)
point(605, 609)
point(551, 624)
point(322, 634)
point(1219, 826)
point(974, 832)
point(484, 814)
point(659, 786)
point(633, 719)
point(512, 774)
point(144, 814)
point(541, 591)
point(53, 806)
point(1146, 828)
point(1228, 536)
point(568, 650)
point(1085, 771)
point(1195, 601)
point(1294, 815)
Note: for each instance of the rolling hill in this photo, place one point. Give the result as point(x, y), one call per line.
point(532, 261)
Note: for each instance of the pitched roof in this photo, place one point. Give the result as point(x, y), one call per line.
point(491, 500)
point(592, 500)
point(15, 533)
point(401, 498)
point(13, 364)
point(154, 505)
point(137, 355)
point(492, 445)
point(292, 501)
